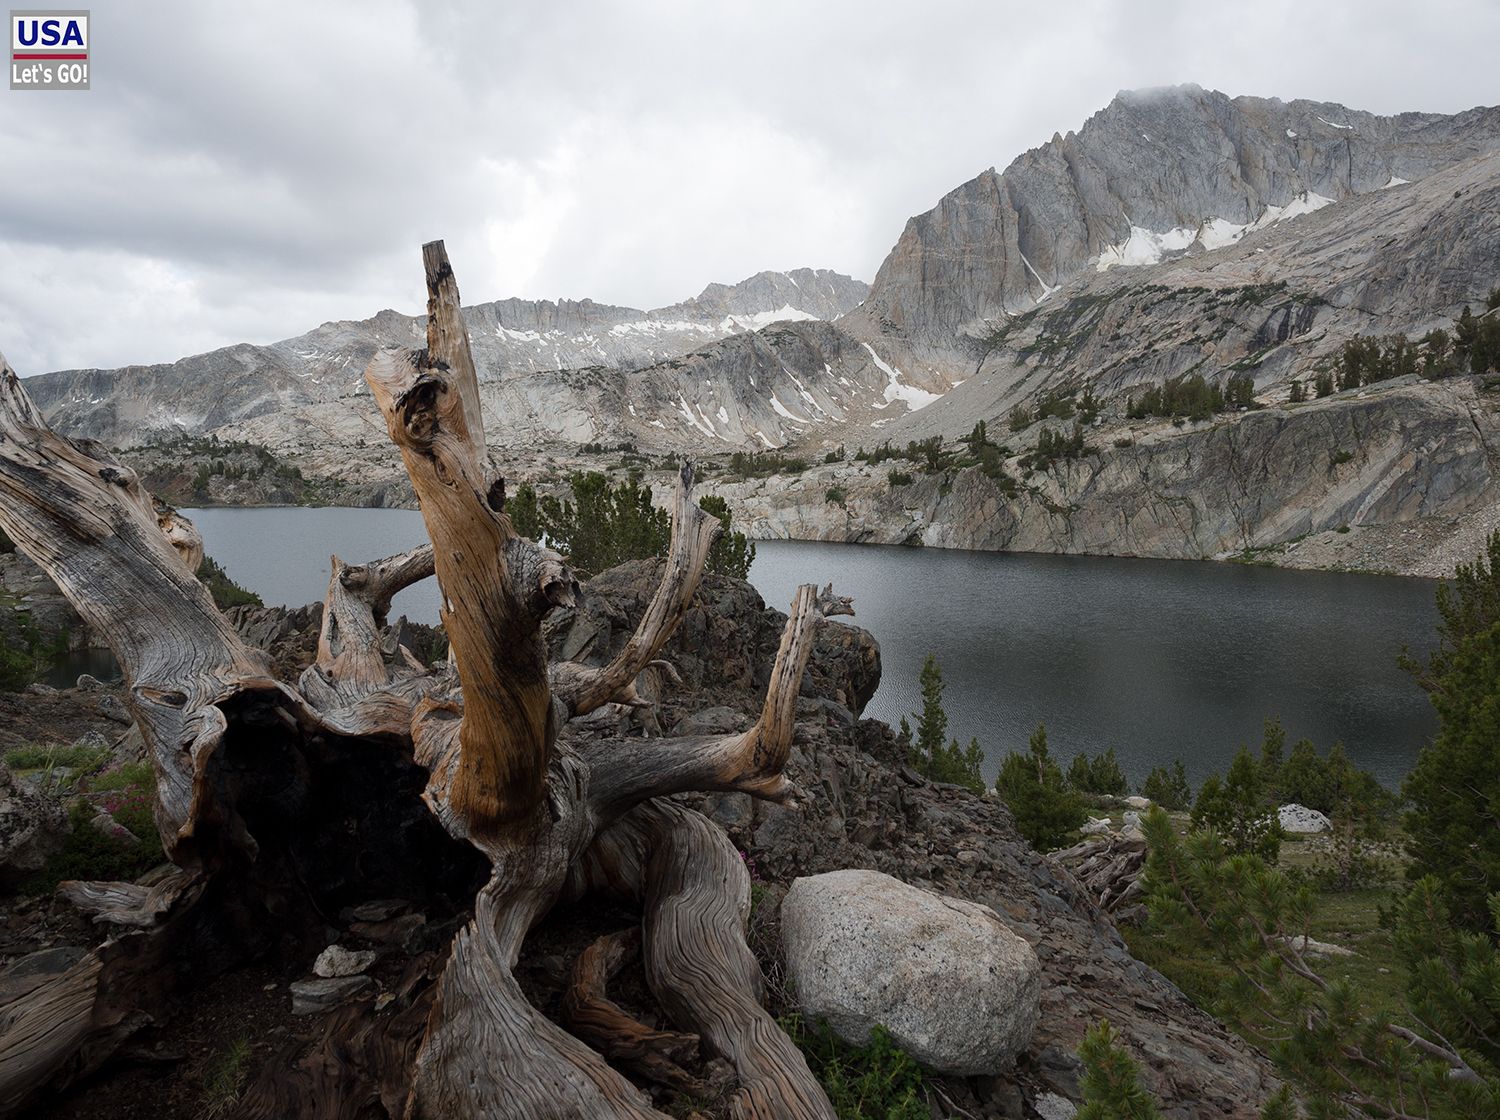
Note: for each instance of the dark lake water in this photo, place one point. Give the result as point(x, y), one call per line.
point(1159, 659)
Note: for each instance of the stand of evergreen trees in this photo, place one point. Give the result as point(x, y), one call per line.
point(602, 524)
point(1192, 397)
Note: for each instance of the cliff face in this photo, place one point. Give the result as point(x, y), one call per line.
point(1412, 468)
point(1155, 174)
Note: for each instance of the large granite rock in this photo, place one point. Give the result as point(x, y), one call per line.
point(955, 988)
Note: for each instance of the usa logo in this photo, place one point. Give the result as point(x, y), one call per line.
point(49, 50)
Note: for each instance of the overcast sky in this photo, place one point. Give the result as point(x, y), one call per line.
point(244, 172)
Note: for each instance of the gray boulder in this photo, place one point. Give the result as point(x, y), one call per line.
point(952, 984)
point(1302, 821)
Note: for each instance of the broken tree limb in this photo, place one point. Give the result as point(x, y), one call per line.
point(430, 401)
point(583, 688)
point(350, 663)
point(624, 1040)
point(694, 891)
point(752, 762)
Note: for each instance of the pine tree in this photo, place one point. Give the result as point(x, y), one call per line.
point(525, 516)
point(1455, 787)
point(1046, 810)
point(932, 721)
point(1111, 1080)
point(1100, 774)
point(1298, 394)
point(936, 759)
point(732, 554)
point(1168, 788)
point(1248, 920)
point(1237, 809)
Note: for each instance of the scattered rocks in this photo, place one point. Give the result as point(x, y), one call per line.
point(336, 961)
point(311, 997)
point(1138, 803)
point(952, 984)
point(1302, 821)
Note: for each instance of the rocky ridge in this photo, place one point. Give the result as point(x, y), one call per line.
point(511, 338)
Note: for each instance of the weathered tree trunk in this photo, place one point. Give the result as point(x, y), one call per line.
point(247, 765)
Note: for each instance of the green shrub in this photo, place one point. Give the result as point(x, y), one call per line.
point(1189, 397)
point(836, 496)
point(601, 524)
point(898, 478)
point(89, 853)
point(1111, 1080)
point(732, 554)
point(53, 756)
point(762, 464)
point(23, 651)
point(224, 1076)
point(1237, 808)
point(877, 1081)
point(1053, 445)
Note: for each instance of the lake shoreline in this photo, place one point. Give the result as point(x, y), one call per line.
point(1286, 556)
point(1158, 659)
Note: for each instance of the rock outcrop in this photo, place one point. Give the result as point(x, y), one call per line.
point(1388, 459)
point(954, 987)
point(33, 828)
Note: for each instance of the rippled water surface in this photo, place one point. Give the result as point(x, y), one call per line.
point(1158, 659)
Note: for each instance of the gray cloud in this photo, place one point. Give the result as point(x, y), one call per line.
point(245, 172)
